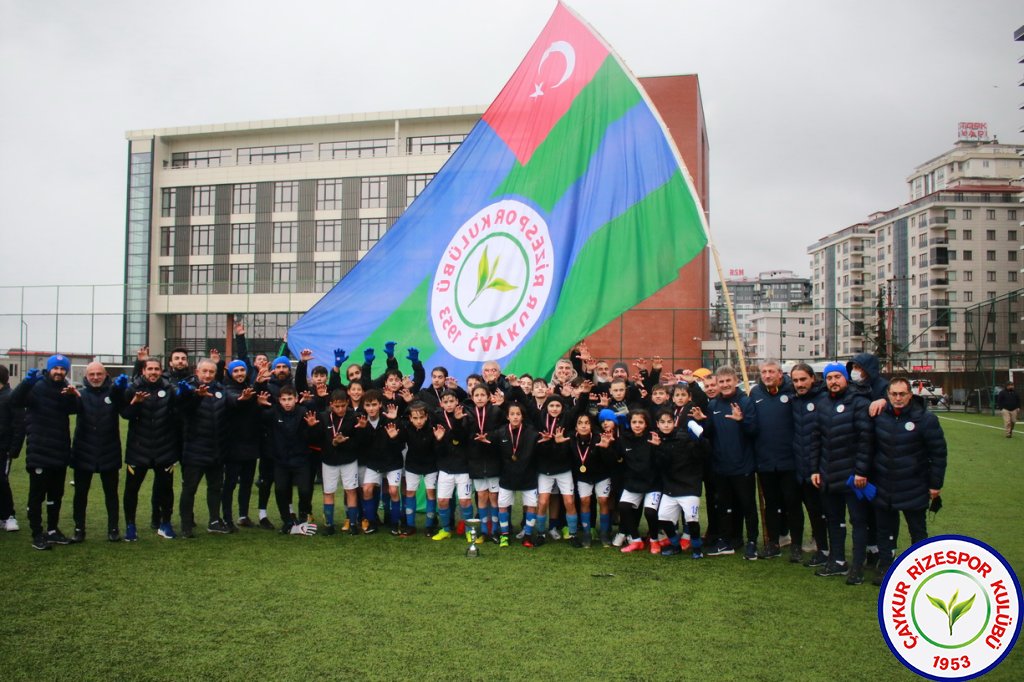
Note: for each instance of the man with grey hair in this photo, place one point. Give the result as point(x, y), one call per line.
point(97, 446)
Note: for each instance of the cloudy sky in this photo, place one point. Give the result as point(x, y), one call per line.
point(816, 111)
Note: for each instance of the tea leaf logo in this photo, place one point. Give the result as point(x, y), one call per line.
point(953, 610)
point(486, 277)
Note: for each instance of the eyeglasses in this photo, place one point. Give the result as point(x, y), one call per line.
point(894, 394)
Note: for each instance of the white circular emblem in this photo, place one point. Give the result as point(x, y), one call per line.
point(949, 608)
point(107, 400)
point(840, 408)
point(910, 426)
point(784, 399)
point(492, 282)
point(810, 407)
point(39, 471)
point(218, 395)
point(161, 393)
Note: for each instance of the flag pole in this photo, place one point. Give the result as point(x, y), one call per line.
point(732, 313)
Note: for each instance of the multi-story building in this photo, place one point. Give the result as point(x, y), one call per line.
point(254, 221)
point(954, 244)
point(770, 290)
point(785, 335)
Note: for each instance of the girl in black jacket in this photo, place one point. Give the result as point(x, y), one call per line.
point(636, 450)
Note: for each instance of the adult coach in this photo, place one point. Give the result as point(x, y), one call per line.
point(1008, 403)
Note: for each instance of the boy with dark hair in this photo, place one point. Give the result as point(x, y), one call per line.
point(452, 464)
point(381, 453)
point(287, 425)
point(420, 465)
point(680, 460)
point(337, 431)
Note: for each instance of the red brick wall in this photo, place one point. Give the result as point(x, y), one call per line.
point(666, 323)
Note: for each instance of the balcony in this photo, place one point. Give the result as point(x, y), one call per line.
point(938, 283)
point(939, 318)
point(856, 266)
point(938, 222)
point(938, 258)
point(936, 241)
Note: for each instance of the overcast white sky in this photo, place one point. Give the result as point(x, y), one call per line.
point(816, 111)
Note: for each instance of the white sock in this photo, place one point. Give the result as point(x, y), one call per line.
point(263, 514)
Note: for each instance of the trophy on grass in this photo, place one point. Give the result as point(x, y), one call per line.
point(474, 526)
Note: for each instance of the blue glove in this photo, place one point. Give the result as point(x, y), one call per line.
point(368, 356)
point(184, 388)
point(856, 491)
point(414, 354)
point(121, 382)
point(389, 349)
point(340, 356)
point(32, 376)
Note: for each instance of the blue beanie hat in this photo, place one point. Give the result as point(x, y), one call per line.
point(835, 367)
point(606, 415)
point(58, 360)
point(281, 360)
point(234, 364)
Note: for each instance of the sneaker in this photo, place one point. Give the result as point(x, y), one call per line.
point(620, 538)
point(114, 535)
point(396, 530)
point(55, 537)
point(539, 539)
point(671, 550)
point(11, 525)
point(785, 540)
point(78, 536)
point(346, 526)
point(480, 539)
point(245, 522)
point(697, 554)
point(166, 531)
point(655, 547)
point(684, 543)
point(40, 542)
point(409, 530)
point(130, 534)
point(496, 539)
point(871, 558)
point(833, 568)
point(606, 539)
point(429, 531)
point(576, 541)
point(585, 540)
point(750, 551)
point(796, 555)
point(369, 528)
point(527, 540)
point(521, 534)
point(232, 528)
point(327, 530)
point(817, 560)
point(770, 551)
point(633, 546)
point(554, 534)
point(565, 532)
point(503, 542)
point(442, 534)
point(460, 527)
point(855, 576)
point(720, 548)
point(188, 533)
point(217, 526)
point(265, 524)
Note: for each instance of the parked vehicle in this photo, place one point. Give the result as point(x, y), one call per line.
point(929, 391)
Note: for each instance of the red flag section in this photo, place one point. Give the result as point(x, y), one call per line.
point(560, 64)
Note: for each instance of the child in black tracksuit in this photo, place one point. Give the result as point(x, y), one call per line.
point(680, 460)
point(288, 431)
point(420, 465)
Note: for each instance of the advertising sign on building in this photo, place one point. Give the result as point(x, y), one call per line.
point(972, 130)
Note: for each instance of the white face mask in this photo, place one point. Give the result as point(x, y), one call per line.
point(856, 375)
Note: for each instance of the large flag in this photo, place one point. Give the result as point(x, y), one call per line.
point(566, 205)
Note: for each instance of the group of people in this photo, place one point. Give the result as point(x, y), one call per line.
point(591, 452)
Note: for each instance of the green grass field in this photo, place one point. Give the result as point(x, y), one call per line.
point(258, 605)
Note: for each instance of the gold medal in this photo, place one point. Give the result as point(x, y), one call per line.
point(514, 458)
point(583, 468)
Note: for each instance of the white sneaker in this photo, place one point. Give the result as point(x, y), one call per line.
point(785, 540)
point(620, 538)
point(11, 525)
point(521, 534)
point(554, 534)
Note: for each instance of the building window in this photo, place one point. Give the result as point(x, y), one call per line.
point(968, 275)
point(967, 216)
point(990, 214)
point(1011, 276)
point(990, 255)
point(286, 196)
point(968, 235)
point(1011, 214)
point(990, 276)
point(356, 149)
point(328, 195)
point(415, 184)
point(166, 241)
point(283, 278)
point(327, 275)
point(951, 275)
point(242, 277)
point(243, 238)
point(1012, 235)
point(166, 279)
point(285, 153)
point(434, 144)
point(370, 232)
point(373, 192)
point(285, 237)
point(204, 159)
point(168, 201)
point(1011, 256)
point(990, 235)
point(952, 297)
point(200, 279)
point(328, 235)
point(968, 254)
point(950, 235)
point(202, 200)
point(202, 240)
point(243, 198)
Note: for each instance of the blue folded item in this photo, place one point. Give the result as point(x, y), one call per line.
point(870, 491)
point(856, 491)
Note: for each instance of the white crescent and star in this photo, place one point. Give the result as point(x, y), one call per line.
point(567, 51)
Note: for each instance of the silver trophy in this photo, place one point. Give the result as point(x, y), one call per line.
point(473, 525)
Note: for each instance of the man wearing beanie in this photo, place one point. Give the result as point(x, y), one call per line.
point(843, 452)
point(48, 400)
point(280, 376)
point(245, 436)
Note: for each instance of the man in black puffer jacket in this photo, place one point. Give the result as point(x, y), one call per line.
point(154, 442)
point(843, 450)
point(807, 391)
point(48, 400)
point(203, 407)
point(908, 470)
point(97, 445)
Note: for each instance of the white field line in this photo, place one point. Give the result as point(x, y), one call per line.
point(964, 421)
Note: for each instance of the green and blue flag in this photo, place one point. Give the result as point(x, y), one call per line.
point(566, 205)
